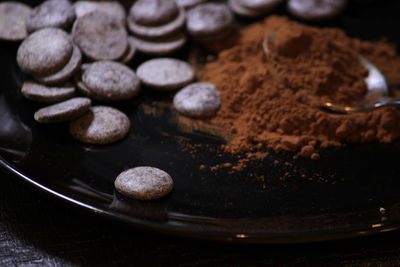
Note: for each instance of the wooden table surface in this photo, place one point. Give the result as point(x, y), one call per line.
point(39, 230)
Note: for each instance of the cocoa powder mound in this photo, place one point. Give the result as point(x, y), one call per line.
point(272, 100)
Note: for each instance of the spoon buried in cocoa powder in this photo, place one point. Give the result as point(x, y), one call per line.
point(377, 89)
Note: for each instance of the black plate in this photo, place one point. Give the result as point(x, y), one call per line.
point(341, 195)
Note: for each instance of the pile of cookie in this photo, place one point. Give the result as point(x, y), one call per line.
point(77, 54)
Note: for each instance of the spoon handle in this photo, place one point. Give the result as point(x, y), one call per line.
point(387, 102)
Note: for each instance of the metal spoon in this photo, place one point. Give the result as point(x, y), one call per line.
point(376, 96)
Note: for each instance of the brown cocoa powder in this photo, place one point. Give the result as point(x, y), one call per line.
point(273, 100)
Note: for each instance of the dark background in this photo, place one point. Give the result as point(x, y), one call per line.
point(39, 230)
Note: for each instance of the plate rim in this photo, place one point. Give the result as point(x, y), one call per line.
point(237, 237)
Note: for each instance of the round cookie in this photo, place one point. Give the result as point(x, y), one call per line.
point(65, 73)
point(243, 11)
point(41, 93)
point(129, 53)
point(314, 10)
point(198, 100)
point(63, 111)
point(165, 73)
point(51, 13)
point(154, 32)
point(259, 5)
point(44, 52)
point(100, 36)
point(189, 3)
point(144, 183)
point(12, 21)
point(107, 80)
point(209, 19)
point(153, 12)
point(101, 125)
point(157, 48)
point(112, 8)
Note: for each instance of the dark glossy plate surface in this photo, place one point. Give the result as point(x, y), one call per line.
point(341, 195)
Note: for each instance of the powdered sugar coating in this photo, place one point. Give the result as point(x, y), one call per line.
point(63, 111)
point(45, 94)
point(198, 100)
point(100, 36)
point(315, 9)
point(158, 31)
point(44, 52)
point(101, 125)
point(209, 19)
point(112, 8)
point(109, 80)
point(51, 13)
point(166, 46)
point(67, 71)
point(144, 183)
point(165, 73)
point(12, 21)
point(153, 12)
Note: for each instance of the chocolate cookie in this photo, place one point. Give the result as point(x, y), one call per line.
point(144, 183)
point(165, 73)
point(161, 31)
point(129, 53)
point(198, 100)
point(189, 3)
point(107, 80)
point(101, 125)
point(12, 21)
point(64, 111)
point(236, 7)
point(100, 36)
point(260, 5)
point(153, 12)
point(209, 19)
point(316, 9)
point(51, 13)
point(157, 48)
point(44, 52)
point(112, 8)
point(67, 71)
point(45, 94)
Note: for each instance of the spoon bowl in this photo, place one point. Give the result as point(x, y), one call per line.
point(377, 94)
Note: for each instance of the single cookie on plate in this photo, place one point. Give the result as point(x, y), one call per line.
point(108, 80)
point(314, 10)
point(44, 52)
point(45, 94)
point(101, 125)
point(100, 36)
point(209, 20)
point(144, 183)
point(165, 73)
point(51, 13)
point(67, 71)
point(198, 100)
point(63, 111)
point(12, 21)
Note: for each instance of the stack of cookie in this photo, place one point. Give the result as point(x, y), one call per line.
point(157, 26)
